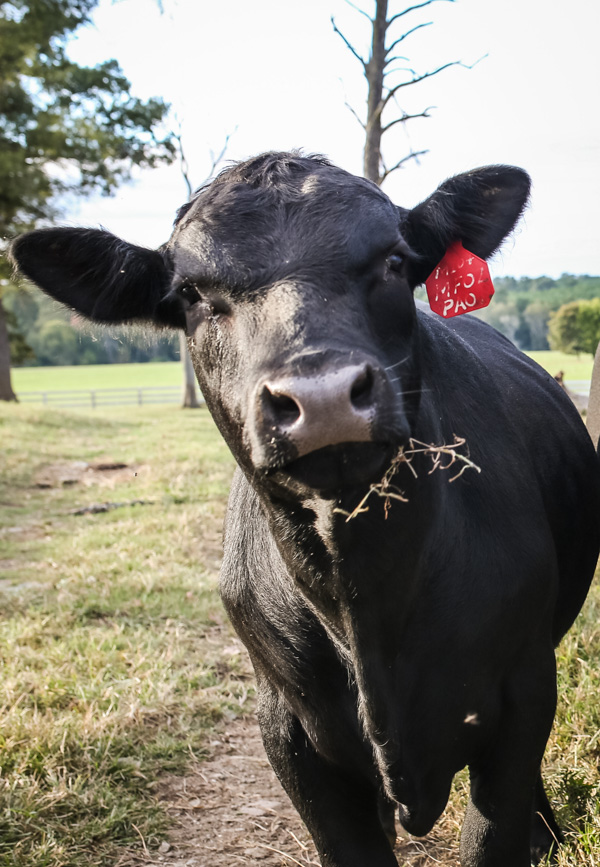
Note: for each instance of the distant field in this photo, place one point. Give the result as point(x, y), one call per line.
point(97, 376)
point(169, 373)
point(573, 366)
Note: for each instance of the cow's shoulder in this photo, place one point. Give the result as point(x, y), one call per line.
point(473, 359)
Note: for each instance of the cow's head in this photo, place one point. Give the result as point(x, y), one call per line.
point(293, 281)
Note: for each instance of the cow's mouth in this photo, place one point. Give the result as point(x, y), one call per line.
point(340, 467)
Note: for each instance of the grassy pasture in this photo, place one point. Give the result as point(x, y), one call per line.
point(108, 674)
point(97, 376)
point(573, 366)
point(111, 635)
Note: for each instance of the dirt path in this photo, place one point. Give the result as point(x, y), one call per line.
point(232, 810)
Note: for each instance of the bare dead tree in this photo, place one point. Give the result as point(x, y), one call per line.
point(380, 73)
point(190, 398)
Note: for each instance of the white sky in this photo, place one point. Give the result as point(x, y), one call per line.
point(274, 71)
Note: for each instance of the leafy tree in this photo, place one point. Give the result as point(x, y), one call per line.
point(64, 128)
point(31, 310)
point(535, 316)
point(563, 332)
point(575, 327)
point(589, 324)
point(530, 301)
point(56, 343)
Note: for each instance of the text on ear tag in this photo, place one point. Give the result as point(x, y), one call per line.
point(459, 284)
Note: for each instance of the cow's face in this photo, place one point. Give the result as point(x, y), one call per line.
point(301, 323)
point(293, 281)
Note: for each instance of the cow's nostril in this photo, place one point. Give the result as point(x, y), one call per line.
point(281, 407)
point(361, 392)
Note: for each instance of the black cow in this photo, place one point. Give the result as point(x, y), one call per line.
point(395, 648)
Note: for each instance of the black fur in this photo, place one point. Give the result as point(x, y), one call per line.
point(98, 274)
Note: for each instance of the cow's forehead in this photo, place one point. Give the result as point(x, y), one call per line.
point(236, 231)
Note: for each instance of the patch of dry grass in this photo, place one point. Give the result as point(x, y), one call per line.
point(112, 642)
point(110, 671)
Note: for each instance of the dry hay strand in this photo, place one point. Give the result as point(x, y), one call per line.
point(438, 454)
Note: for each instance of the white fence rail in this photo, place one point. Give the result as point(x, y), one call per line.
point(579, 386)
point(160, 394)
point(98, 397)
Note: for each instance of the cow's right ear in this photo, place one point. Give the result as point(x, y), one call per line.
point(99, 275)
point(479, 208)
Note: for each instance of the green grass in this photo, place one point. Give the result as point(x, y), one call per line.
point(97, 376)
point(571, 767)
point(573, 366)
point(111, 634)
point(573, 756)
point(108, 678)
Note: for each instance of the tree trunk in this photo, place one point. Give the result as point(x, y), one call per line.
point(190, 393)
point(593, 410)
point(6, 390)
point(374, 71)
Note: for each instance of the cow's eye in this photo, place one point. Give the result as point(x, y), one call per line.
point(190, 293)
point(395, 261)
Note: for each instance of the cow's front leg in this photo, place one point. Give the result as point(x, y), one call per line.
point(505, 778)
point(546, 836)
point(342, 811)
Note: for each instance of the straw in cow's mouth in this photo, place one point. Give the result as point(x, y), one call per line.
point(389, 491)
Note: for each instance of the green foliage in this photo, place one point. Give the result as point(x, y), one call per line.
point(563, 331)
point(575, 327)
point(589, 323)
point(64, 128)
point(521, 308)
point(57, 343)
point(55, 337)
point(20, 350)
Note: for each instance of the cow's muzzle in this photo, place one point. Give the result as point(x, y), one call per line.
point(311, 412)
point(296, 415)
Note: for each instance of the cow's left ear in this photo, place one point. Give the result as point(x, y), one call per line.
point(479, 208)
point(99, 275)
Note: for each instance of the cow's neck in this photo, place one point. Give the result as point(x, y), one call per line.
point(345, 566)
point(366, 592)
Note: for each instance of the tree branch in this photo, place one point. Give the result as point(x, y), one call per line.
point(412, 155)
point(348, 106)
point(358, 9)
point(406, 117)
point(183, 163)
point(412, 8)
point(348, 45)
point(393, 59)
point(405, 36)
point(217, 160)
point(389, 72)
point(419, 78)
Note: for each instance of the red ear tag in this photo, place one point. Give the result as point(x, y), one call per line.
point(460, 283)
